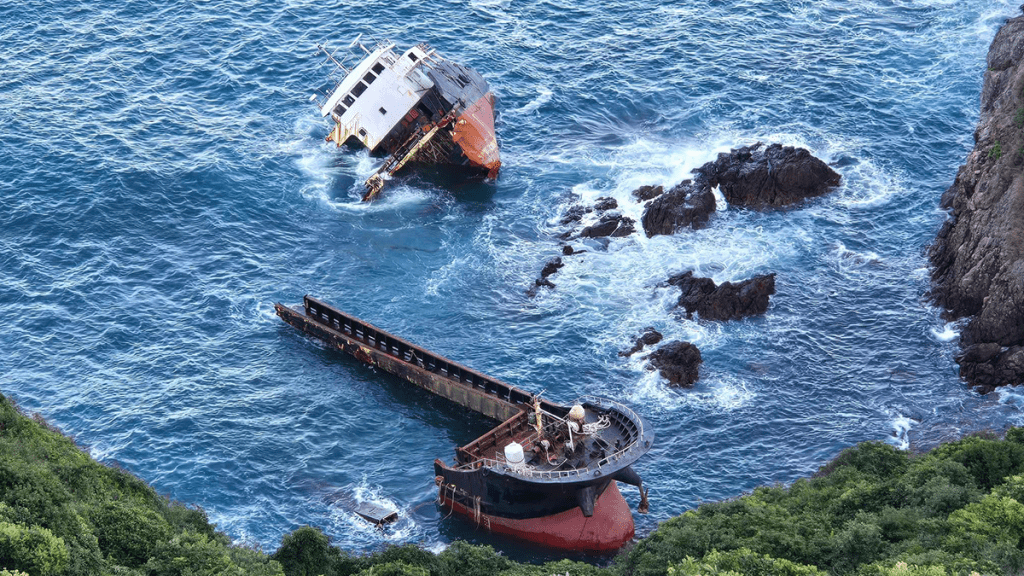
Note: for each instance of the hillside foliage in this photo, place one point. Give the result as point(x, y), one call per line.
point(873, 511)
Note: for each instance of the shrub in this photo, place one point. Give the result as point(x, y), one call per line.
point(396, 568)
point(988, 461)
point(254, 562)
point(307, 552)
point(742, 562)
point(409, 554)
point(190, 554)
point(556, 568)
point(129, 533)
point(467, 560)
point(32, 549)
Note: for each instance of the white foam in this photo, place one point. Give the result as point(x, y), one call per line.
point(901, 426)
point(947, 333)
point(358, 528)
point(714, 394)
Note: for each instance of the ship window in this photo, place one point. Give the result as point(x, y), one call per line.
point(413, 57)
point(340, 109)
point(349, 100)
point(362, 132)
point(378, 68)
point(369, 78)
point(383, 112)
point(359, 89)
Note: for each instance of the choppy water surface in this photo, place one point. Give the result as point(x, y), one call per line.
point(165, 180)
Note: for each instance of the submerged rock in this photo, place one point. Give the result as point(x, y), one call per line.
point(678, 362)
point(728, 301)
point(978, 254)
point(532, 291)
point(776, 176)
point(649, 337)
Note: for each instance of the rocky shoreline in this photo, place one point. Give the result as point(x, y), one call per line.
point(978, 254)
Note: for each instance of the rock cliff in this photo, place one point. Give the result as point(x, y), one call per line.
point(978, 254)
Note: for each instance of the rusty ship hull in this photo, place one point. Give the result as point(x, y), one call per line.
point(563, 495)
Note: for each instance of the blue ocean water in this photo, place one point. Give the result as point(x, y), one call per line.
point(165, 180)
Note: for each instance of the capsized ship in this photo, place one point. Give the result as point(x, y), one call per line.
point(546, 474)
point(414, 107)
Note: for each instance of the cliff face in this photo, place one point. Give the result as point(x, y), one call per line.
point(978, 254)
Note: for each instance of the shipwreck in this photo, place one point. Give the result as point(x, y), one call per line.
point(546, 474)
point(413, 107)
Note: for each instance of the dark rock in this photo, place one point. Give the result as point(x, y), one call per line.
point(537, 284)
point(605, 203)
point(575, 214)
point(611, 224)
point(650, 337)
point(978, 254)
point(567, 250)
point(726, 302)
point(645, 193)
point(551, 267)
point(988, 365)
point(688, 204)
point(776, 176)
point(678, 362)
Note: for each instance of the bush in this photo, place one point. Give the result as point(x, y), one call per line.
point(397, 568)
point(556, 568)
point(741, 562)
point(32, 549)
point(190, 554)
point(307, 552)
point(128, 534)
point(467, 560)
point(988, 461)
point(408, 554)
point(873, 458)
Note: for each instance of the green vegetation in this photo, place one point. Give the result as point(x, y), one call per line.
point(873, 511)
point(62, 513)
point(996, 151)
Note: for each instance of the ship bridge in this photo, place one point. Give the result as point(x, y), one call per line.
point(377, 94)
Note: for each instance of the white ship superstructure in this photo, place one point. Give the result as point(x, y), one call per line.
point(416, 107)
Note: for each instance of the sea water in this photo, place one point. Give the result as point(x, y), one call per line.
point(165, 180)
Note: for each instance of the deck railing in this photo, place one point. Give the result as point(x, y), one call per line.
point(527, 472)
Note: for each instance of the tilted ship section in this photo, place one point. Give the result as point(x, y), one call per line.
point(546, 474)
point(414, 107)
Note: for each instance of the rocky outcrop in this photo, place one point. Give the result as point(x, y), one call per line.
point(645, 193)
point(727, 301)
point(689, 204)
point(552, 266)
point(775, 176)
point(611, 224)
point(748, 177)
point(650, 337)
point(678, 362)
point(978, 254)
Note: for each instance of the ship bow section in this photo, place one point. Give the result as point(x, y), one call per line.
point(474, 133)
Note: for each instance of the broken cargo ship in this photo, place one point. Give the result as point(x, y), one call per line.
point(546, 474)
point(415, 107)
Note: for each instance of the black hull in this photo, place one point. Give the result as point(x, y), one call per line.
point(477, 481)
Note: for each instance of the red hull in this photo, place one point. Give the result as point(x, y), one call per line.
point(609, 529)
point(474, 133)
